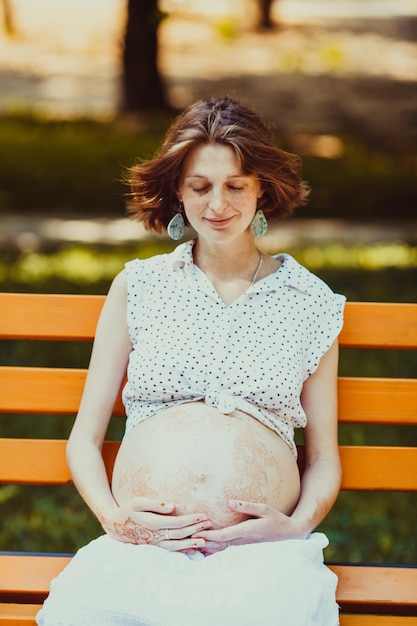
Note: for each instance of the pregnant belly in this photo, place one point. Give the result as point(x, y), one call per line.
point(198, 458)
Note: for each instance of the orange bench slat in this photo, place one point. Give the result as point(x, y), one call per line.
point(376, 620)
point(24, 615)
point(22, 574)
point(44, 390)
point(377, 400)
point(18, 614)
point(379, 468)
point(49, 316)
point(55, 316)
point(380, 325)
point(42, 461)
point(377, 585)
point(381, 586)
point(58, 391)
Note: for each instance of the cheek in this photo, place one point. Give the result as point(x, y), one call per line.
point(249, 206)
point(193, 206)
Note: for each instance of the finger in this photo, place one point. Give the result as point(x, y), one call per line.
point(212, 547)
point(152, 505)
point(183, 544)
point(187, 522)
point(186, 531)
point(230, 533)
point(255, 509)
point(218, 536)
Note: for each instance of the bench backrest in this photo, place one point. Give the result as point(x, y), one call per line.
point(58, 390)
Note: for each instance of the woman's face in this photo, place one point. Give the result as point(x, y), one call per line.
point(219, 200)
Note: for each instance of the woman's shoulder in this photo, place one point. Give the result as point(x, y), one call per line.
point(117, 292)
point(161, 263)
point(303, 279)
point(162, 258)
point(142, 266)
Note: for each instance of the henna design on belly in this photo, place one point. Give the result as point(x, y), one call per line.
point(185, 415)
point(254, 464)
point(210, 459)
point(136, 480)
point(183, 488)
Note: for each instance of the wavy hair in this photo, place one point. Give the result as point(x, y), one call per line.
point(154, 184)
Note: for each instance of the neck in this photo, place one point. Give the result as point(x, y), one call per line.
point(224, 263)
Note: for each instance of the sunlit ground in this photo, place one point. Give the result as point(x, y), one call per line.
point(64, 56)
point(88, 266)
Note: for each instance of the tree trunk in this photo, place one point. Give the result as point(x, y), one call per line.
point(8, 18)
point(142, 88)
point(264, 9)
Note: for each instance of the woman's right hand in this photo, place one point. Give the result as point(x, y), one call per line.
point(149, 521)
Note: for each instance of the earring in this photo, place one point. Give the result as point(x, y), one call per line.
point(259, 225)
point(176, 225)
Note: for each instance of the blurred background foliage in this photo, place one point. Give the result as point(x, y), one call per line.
point(338, 88)
point(76, 167)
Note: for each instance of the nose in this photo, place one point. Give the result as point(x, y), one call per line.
point(217, 200)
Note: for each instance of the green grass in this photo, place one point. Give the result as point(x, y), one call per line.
point(90, 268)
point(61, 167)
point(75, 167)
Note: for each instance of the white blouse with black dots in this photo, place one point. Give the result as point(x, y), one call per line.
point(252, 355)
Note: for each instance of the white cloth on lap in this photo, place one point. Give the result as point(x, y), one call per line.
point(109, 583)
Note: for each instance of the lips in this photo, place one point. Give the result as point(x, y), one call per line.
point(217, 223)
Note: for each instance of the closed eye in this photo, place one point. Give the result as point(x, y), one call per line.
point(201, 189)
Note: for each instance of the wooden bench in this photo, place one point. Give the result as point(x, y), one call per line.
point(368, 595)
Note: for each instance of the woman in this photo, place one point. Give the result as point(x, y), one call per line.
point(226, 350)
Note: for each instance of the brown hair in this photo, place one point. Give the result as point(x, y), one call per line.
point(224, 121)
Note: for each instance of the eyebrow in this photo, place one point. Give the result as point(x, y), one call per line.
point(206, 177)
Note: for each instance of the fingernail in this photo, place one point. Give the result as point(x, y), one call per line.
point(204, 526)
point(200, 543)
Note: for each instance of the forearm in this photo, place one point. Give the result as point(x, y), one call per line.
point(106, 373)
point(321, 477)
point(320, 486)
point(89, 475)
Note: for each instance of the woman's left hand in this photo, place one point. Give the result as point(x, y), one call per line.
point(265, 524)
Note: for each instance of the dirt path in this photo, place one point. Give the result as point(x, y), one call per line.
point(325, 76)
point(314, 75)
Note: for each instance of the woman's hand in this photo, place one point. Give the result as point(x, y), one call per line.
point(148, 521)
point(265, 524)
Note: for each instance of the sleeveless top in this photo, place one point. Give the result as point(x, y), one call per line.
point(253, 355)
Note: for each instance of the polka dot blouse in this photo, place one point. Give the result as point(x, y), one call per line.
point(252, 355)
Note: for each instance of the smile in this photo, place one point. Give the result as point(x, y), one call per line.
point(219, 223)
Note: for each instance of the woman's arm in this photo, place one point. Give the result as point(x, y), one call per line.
point(141, 520)
point(322, 475)
point(105, 375)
